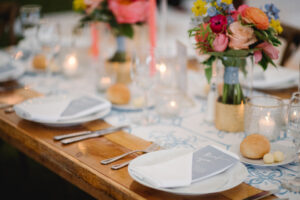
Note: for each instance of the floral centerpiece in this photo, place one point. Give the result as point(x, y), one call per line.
point(120, 15)
point(231, 35)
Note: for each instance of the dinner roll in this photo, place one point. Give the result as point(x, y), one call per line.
point(255, 146)
point(39, 62)
point(118, 94)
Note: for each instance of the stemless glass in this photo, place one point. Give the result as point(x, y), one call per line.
point(143, 74)
point(29, 16)
point(294, 129)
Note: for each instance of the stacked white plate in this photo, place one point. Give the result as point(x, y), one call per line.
point(63, 110)
point(9, 69)
point(274, 78)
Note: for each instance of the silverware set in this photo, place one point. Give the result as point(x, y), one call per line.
point(151, 148)
point(83, 135)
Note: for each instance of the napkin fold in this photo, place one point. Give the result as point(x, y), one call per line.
point(187, 168)
point(60, 108)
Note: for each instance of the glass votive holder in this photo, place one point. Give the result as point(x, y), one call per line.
point(263, 115)
point(105, 80)
point(167, 102)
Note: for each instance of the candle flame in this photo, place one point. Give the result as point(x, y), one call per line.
point(162, 68)
point(172, 103)
point(268, 116)
point(72, 60)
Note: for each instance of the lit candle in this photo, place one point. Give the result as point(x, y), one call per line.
point(267, 127)
point(162, 68)
point(172, 108)
point(104, 83)
point(70, 66)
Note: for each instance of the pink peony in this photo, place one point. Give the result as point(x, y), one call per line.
point(129, 12)
point(257, 56)
point(220, 43)
point(240, 36)
point(218, 23)
point(238, 12)
point(269, 49)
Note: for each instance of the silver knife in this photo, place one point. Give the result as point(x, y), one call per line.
point(261, 195)
point(87, 134)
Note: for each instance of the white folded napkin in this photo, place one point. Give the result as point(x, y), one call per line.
point(61, 107)
point(186, 168)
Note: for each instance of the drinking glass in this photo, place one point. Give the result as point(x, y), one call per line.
point(29, 16)
point(143, 75)
point(49, 39)
point(294, 129)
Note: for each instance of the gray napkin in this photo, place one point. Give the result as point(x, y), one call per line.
point(209, 161)
point(7, 68)
point(79, 105)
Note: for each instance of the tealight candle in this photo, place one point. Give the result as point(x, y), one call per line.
point(104, 83)
point(172, 108)
point(70, 66)
point(267, 127)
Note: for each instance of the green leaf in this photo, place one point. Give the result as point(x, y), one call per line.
point(208, 73)
point(208, 70)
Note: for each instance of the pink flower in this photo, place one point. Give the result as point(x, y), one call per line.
point(218, 23)
point(238, 12)
point(129, 12)
point(220, 43)
point(257, 56)
point(91, 5)
point(240, 36)
point(269, 50)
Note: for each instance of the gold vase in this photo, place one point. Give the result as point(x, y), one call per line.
point(229, 118)
point(121, 71)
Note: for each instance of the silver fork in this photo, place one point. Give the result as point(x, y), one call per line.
point(124, 164)
point(150, 148)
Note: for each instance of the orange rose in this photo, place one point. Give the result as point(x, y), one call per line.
point(257, 17)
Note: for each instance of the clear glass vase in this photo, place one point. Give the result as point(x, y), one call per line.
point(232, 90)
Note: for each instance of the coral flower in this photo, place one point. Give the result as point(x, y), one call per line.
point(129, 12)
point(218, 23)
point(257, 17)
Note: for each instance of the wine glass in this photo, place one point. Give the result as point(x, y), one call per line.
point(143, 75)
point(49, 39)
point(294, 129)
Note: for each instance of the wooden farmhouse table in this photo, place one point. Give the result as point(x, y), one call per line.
point(79, 163)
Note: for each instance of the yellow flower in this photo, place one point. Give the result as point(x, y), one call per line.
point(276, 25)
point(199, 8)
point(79, 5)
point(227, 1)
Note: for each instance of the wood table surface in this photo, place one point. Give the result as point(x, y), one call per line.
point(79, 163)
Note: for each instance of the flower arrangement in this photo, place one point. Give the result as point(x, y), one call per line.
point(231, 35)
point(120, 15)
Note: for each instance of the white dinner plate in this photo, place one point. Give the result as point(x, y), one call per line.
point(17, 71)
point(288, 151)
point(273, 78)
point(130, 106)
point(45, 101)
point(221, 182)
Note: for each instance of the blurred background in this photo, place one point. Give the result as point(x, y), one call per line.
point(22, 177)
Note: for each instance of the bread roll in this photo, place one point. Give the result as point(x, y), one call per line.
point(39, 62)
point(118, 94)
point(255, 146)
